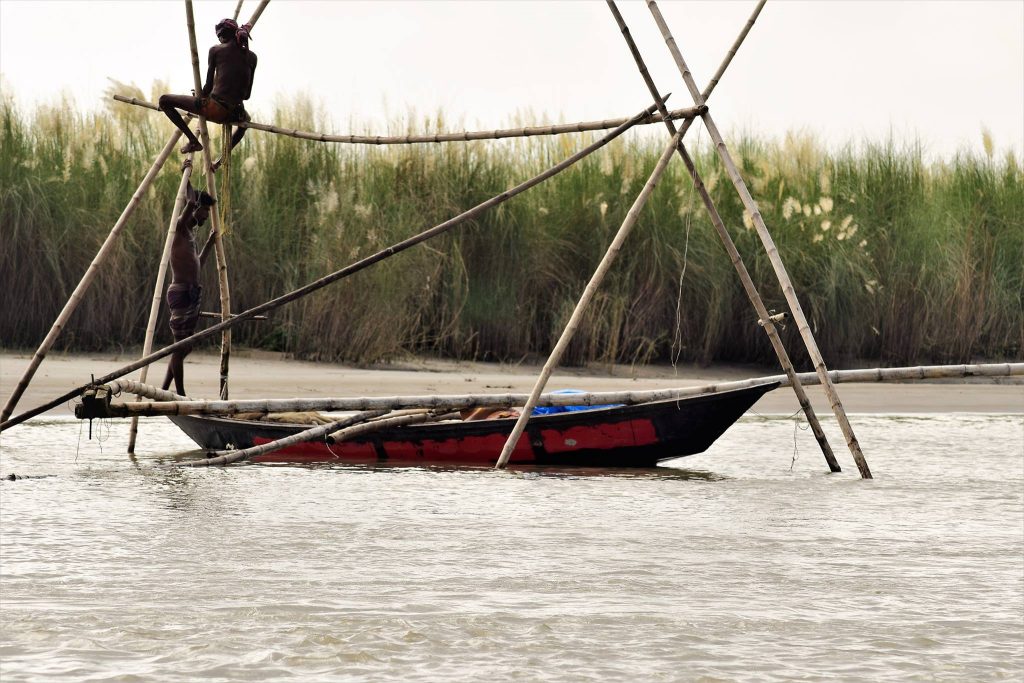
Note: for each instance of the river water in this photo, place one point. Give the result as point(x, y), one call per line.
point(747, 563)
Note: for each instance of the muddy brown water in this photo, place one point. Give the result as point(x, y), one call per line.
point(747, 563)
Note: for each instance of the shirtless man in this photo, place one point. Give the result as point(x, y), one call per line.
point(184, 293)
point(230, 71)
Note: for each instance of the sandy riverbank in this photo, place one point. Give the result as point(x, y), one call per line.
point(258, 374)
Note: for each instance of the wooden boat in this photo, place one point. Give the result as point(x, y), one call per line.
point(621, 436)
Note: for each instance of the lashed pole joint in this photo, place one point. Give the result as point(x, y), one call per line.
point(769, 244)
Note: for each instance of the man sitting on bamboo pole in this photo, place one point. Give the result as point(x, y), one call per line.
point(229, 76)
point(184, 294)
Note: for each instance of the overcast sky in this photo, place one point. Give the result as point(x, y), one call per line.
point(845, 70)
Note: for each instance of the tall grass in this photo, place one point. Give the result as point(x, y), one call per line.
point(895, 260)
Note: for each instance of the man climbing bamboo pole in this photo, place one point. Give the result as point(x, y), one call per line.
point(86, 281)
point(158, 287)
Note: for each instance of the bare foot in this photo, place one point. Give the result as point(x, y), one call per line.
point(195, 146)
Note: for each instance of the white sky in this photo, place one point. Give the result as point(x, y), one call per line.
point(843, 70)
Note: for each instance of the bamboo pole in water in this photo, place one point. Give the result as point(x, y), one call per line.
point(509, 400)
point(342, 273)
point(211, 189)
point(769, 244)
point(687, 114)
point(581, 306)
point(87, 278)
point(158, 289)
point(716, 220)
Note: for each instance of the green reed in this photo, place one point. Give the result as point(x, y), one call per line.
point(895, 260)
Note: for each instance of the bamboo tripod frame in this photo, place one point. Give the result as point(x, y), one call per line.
point(723, 233)
point(769, 244)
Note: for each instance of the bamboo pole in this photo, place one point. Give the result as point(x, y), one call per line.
point(716, 220)
point(258, 12)
point(238, 8)
point(87, 278)
point(509, 400)
point(211, 189)
point(130, 386)
point(158, 289)
point(342, 273)
point(588, 294)
point(769, 244)
point(338, 431)
point(687, 114)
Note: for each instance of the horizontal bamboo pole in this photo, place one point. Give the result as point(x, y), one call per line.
point(212, 314)
point(453, 402)
point(139, 388)
point(342, 273)
point(688, 113)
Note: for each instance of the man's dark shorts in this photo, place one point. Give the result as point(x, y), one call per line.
point(183, 299)
point(217, 110)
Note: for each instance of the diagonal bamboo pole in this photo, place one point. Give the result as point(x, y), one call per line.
point(769, 244)
point(255, 16)
point(87, 278)
point(340, 430)
point(211, 189)
point(730, 246)
point(238, 8)
point(688, 114)
point(165, 403)
point(158, 289)
point(588, 294)
point(344, 272)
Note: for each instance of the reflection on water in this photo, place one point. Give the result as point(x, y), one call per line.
point(749, 562)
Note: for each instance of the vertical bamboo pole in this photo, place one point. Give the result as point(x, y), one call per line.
point(211, 189)
point(158, 290)
point(86, 281)
point(584, 302)
point(723, 233)
point(769, 244)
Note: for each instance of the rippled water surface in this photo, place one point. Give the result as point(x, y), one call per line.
point(738, 564)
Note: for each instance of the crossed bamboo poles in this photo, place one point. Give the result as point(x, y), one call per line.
point(605, 264)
